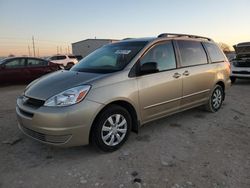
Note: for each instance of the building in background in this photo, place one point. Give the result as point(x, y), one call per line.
point(87, 46)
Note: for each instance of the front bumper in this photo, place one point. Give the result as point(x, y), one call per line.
point(60, 126)
point(240, 72)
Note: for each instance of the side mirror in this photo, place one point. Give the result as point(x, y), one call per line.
point(149, 68)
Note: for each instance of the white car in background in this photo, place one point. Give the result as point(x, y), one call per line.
point(64, 61)
point(240, 66)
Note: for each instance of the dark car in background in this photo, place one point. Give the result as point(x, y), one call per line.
point(24, 69)
point(240, 66)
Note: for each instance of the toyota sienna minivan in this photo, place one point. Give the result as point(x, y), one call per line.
point(120, 87)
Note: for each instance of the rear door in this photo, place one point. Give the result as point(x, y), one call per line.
point(160, 92)
point(198, 75)
point(37, 68)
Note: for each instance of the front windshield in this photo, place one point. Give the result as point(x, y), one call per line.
point(110, 58)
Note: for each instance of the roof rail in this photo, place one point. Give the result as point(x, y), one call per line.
point(182, 35)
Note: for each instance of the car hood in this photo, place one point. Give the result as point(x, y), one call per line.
point(57, 82)
point(242, 48)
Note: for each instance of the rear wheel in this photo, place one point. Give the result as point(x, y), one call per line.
point(233, 79)
point(111, 129)
point(69, 65)
point(216, 99)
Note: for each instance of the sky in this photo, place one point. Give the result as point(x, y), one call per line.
point(55, 24)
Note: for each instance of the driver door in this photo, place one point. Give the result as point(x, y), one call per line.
point(15, 71)
point(160, 92)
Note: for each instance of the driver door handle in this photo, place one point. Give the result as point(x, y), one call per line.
point(176, 75)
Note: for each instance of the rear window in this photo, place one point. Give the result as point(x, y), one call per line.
point(192, 53)
point(214, 52)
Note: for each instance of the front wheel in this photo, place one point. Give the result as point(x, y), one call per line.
point(111, 129)
point(215, 100)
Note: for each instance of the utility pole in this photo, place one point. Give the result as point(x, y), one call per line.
point(34, 51)
point(29, 50)
point(61, 49)
point(38, 52)
point(57, 50)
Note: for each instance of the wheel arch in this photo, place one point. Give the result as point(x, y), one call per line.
point(125, 104)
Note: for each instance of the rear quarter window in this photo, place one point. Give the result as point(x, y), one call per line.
point(214, 52)
point(192, 53)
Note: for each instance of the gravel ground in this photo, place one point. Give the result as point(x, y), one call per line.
point(190, 149)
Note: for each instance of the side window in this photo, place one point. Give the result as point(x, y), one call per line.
point(72, 57)
point(192, 53)
point(61, 57)
point(53, 58)
point(163, 55)
point(214, 52)
point(36, 63)
point(15, 63)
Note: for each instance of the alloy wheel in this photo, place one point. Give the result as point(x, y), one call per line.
point(217, 98)
point(114, 130)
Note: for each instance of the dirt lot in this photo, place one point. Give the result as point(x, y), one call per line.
point(191, 149)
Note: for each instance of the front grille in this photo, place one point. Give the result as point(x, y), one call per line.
point(242, 64)
point(241, 72)
point(33, 102)
point(54, 139)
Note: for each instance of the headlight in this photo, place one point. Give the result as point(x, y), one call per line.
point(68, 97)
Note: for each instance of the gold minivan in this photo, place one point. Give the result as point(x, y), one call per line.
point(121, 86)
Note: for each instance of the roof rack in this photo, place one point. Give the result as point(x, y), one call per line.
point(182, 35)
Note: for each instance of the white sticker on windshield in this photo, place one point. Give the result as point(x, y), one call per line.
point(123, 52)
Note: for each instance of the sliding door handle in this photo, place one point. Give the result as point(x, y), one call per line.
point(186, 73)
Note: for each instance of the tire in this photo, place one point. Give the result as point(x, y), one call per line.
point(233, 79)
point(69, 65)
point(111, 128)
point(216, 99)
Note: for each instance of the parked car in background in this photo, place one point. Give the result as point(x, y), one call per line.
point(24, 69)
point(230, 55)
point(121, 86)
point(241, 64)
point(65, 61)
